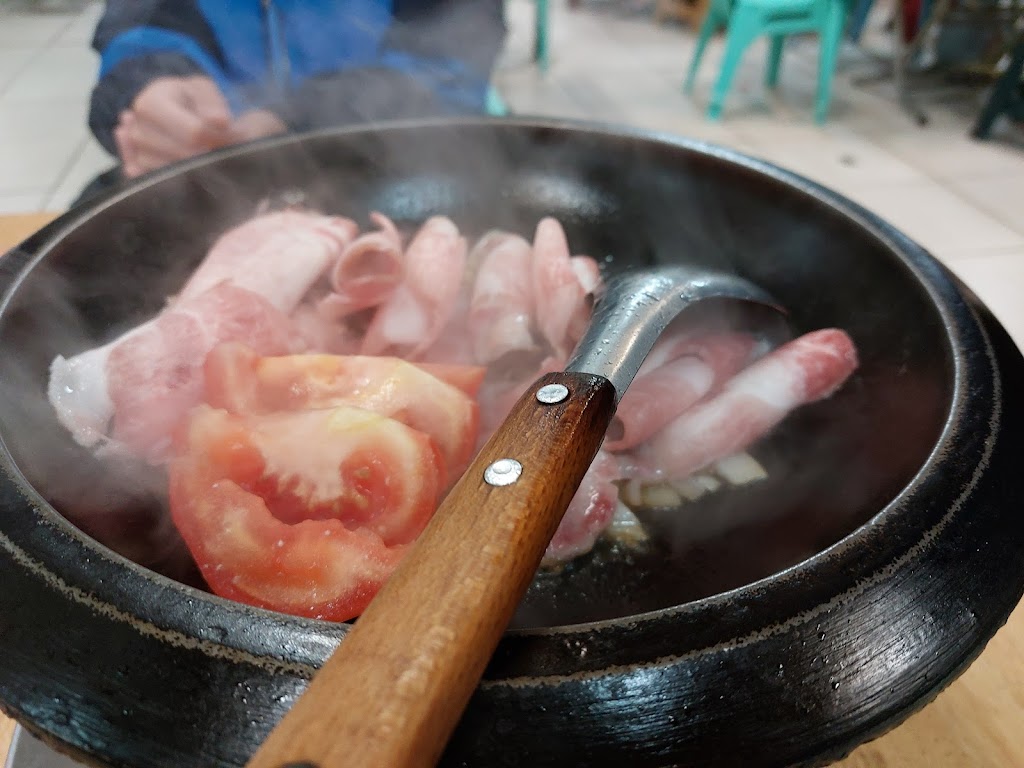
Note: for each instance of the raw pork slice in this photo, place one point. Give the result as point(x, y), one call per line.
point(806, 369)
point(417, 312)
point(684, 371)
point(154, 376)
point(278, 256)
point(79, 394)
point(368, 270)
point(589, 513)
point(557, 291)
point(502, 305)
point(455, 345)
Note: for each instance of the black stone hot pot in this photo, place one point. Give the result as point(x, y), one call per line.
point(772, 625)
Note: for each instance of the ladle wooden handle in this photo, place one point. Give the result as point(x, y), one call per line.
point(395, 689)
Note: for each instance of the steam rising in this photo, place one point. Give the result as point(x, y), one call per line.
point(827, 468)
point(117, 501)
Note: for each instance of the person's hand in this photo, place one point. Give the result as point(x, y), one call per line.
point(257, 124)
point(171, 119)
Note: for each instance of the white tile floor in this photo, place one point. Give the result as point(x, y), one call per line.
point(46, 72)
point(960, 198)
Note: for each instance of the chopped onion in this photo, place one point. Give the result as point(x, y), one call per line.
point(661, 495)
point(631, 493)
point(689, 488)
point(708, 482)
point(626, 527)
point(693, 487)
point(740, 469)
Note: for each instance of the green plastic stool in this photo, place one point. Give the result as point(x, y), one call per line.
point(540, 34)
point(495, 104)
point(746, 20)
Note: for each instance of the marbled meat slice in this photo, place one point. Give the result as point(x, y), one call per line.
point(501, 309)
point(809, 368)
point(419, 309)
point(589, 513)
point(686, 371)
point(156, 376)
point(368, 271)
point(278, 256)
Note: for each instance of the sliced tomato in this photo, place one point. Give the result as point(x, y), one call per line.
point(307, 512)
point(240, 381)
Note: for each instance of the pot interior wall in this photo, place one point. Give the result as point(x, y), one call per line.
point(631, 204)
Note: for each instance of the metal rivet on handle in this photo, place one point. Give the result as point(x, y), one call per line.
point(503, 472)
point(552, 393)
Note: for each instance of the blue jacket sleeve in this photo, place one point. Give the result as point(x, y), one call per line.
point(138, 42)
point(436, 59)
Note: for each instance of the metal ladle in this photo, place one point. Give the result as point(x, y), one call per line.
point(394, 690)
